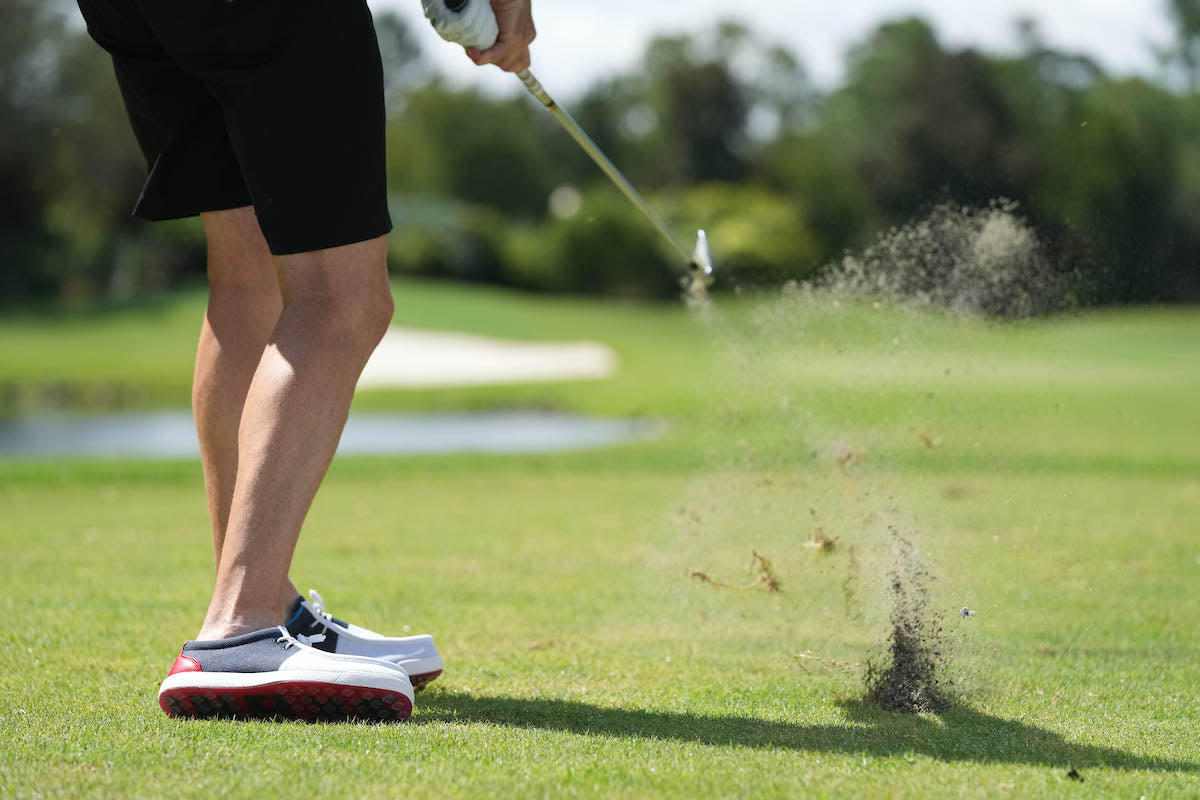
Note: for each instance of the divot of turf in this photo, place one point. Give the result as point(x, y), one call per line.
point(764, 577)
point(910, 680)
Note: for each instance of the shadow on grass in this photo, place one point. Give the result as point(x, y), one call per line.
point(958, 735)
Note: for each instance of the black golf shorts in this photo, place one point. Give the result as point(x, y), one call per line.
point(272, 103)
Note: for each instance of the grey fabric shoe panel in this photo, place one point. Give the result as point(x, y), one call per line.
point(252, 652)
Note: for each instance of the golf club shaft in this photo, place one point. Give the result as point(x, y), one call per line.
point(602, 161)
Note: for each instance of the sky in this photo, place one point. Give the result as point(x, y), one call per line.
point(581, 40)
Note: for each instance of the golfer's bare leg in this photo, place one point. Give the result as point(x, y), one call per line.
point(336, 308)
point(243, 306)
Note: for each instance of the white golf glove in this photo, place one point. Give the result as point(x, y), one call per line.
point(473, 25)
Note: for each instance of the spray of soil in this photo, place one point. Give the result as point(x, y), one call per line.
point(986, 261)
point(910, 678)
point(779, 448)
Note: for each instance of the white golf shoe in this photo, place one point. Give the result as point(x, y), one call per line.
point(271, 673)
point(417, 654)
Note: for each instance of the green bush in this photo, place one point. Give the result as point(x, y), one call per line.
point(758, 237)
point(607, 248)
point(438, 237)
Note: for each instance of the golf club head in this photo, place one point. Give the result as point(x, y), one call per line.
point(700, 273)
point(702, 259)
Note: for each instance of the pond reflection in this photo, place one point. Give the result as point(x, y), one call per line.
point(172, 434)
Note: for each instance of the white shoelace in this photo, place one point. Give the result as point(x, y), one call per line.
point(288, 641)
point(323, 617)
point(314, 598)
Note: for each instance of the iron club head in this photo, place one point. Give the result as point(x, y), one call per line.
point(700, 273)
point(702, 258)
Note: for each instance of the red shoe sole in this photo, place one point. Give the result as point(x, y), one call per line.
point(419, 682)
point(288, 700)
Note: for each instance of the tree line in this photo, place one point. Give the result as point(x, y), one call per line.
point(721, 129)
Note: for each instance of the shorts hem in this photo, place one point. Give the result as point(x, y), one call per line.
point(167, 216)
point(157, 211)
point(289, 247)
point(328, 241)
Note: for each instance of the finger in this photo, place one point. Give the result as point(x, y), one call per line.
point(502, 50)
point(518, 62)
point(508, 61)
point(496, 53)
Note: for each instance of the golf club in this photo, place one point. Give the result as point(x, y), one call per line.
point(471, 23)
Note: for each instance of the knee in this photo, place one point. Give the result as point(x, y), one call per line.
point(240, 266)
point(379, 316)
point(246, 300)
point(340, 296)
point(354, 319)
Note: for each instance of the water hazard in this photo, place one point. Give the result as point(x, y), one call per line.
point(172, 434)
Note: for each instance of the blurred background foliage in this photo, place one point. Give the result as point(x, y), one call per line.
point(721, 129)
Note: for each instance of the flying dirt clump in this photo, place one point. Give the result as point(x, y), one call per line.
point(970, 260)
point(910, 680)
point(762, 572)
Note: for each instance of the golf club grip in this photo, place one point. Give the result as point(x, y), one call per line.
point(607, 167)
point(535, 88)
point(469, 23)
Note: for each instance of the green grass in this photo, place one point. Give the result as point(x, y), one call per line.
point(143, 353)
point(1048, 473)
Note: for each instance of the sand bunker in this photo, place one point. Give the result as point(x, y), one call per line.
point(418, 359)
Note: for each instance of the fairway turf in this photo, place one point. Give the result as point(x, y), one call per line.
point(1047, 472)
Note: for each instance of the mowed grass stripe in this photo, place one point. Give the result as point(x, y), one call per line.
point(582, 658)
